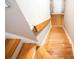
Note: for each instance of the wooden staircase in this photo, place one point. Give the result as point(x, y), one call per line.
point(26, 52)
point(57, 45)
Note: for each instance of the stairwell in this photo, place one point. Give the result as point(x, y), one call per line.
point(57, 45)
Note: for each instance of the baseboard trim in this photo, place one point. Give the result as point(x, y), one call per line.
point(33, 57)
point(57, 13)
point(14, 36)
point(10, 35)
point(69, 38)
point(57, 26)
point(15, 54)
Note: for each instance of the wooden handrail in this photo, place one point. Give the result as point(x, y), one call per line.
point(40, 26)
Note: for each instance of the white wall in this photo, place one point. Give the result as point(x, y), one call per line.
point(35, 11)
point(16, 23)
point(42, 36)
point(51, 6)
point(57, 6)
point(23, 14)
point(69, 18)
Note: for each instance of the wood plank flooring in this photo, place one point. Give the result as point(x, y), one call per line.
point(10, 46)
point(57, 20)
point(57, 44)
point(27, 51)
point(41, 53)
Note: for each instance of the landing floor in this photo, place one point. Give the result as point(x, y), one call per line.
point(57, 44)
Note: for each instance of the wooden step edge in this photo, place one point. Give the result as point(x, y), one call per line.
point(10, 47)
point(27, 51)
point(71, 43)
point(15, 54)
point(57, 14)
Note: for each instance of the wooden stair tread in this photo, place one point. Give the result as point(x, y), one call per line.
point(27, 51)
point(10, 46)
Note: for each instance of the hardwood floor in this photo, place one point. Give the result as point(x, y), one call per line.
point(27, 51)
point(41, 53)
point(10, 46)
point(57, 20)
point(57, 44)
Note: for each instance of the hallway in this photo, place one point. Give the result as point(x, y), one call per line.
point(57, 46)
point(36, 29)
point(57, 43)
